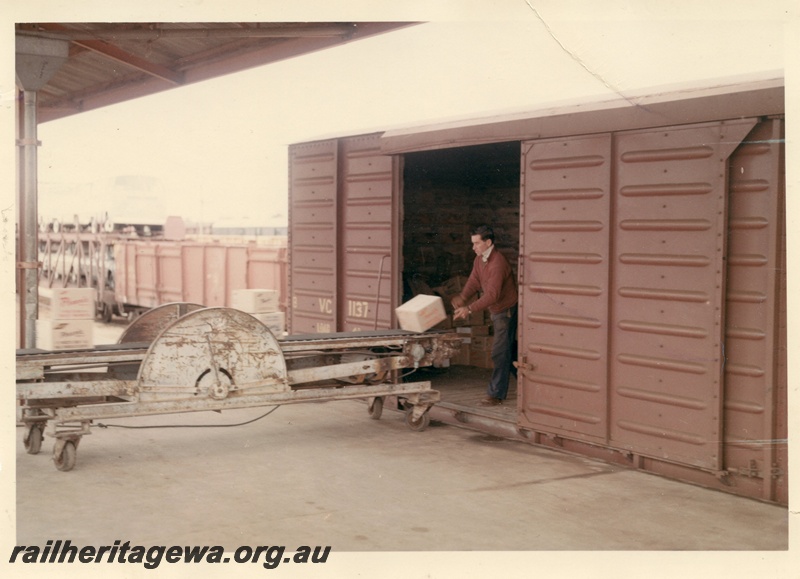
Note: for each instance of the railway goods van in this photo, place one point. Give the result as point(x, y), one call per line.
point(648, 241)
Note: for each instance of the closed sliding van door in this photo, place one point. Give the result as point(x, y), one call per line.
point(668, 287)
point(564, 289)
point(622, 288)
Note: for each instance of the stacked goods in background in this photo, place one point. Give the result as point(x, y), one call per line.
point(476, 340)
point(262, 304)
point(437, 243)
point(71, 322)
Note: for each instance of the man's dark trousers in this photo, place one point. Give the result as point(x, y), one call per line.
point(503, 351)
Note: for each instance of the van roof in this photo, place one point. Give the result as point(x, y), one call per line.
point(659, 106)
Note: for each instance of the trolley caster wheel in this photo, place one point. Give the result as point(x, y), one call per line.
point(375, 408)
point(65, 461)
point(417, 425)
point(33, 440)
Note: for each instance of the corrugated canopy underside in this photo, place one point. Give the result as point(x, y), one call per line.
point(110, 63)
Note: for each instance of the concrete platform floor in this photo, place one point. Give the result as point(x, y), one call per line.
point(326, 474)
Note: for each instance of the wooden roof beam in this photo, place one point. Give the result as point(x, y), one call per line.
point(111, 51)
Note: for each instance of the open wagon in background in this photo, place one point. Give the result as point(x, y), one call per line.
point(137, 267)
point(150, 273)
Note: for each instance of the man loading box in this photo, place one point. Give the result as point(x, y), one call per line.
point(492, 275)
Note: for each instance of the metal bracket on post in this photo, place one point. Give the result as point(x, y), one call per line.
point(27, 142)
point(29, 265)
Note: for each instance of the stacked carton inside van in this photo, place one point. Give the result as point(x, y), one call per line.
point(475, 330)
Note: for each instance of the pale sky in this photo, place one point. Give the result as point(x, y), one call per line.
point(218, 150)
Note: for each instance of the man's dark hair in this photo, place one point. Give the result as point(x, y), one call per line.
point(485, 232)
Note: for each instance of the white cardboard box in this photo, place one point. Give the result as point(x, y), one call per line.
point(255, 301)
point(64, 334)
point(275, 321)
point(421, 313)
point(76, 303)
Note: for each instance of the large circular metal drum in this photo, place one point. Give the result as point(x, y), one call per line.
point(212, 353)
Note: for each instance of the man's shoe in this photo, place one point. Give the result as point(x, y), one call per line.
point(490, 401)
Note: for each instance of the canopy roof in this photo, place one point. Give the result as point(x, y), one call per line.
point(110, 63)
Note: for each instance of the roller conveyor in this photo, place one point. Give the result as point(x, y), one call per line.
point(185, 358)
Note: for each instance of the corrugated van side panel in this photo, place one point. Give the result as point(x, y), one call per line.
point(753, 446)
point(313, 268)
point(368, 234)
point(781, 480)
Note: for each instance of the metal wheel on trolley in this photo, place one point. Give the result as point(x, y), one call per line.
point(375, 407)
point(65, 455)
point(33, 439)
point(420, 423)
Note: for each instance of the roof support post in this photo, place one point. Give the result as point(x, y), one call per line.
point(28, 260)
point(37, 59)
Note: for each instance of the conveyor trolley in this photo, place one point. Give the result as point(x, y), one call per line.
point(184, 358)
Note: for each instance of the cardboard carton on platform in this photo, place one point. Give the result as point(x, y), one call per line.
point(255, 301)
point(64, 334)
point(275, 321)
